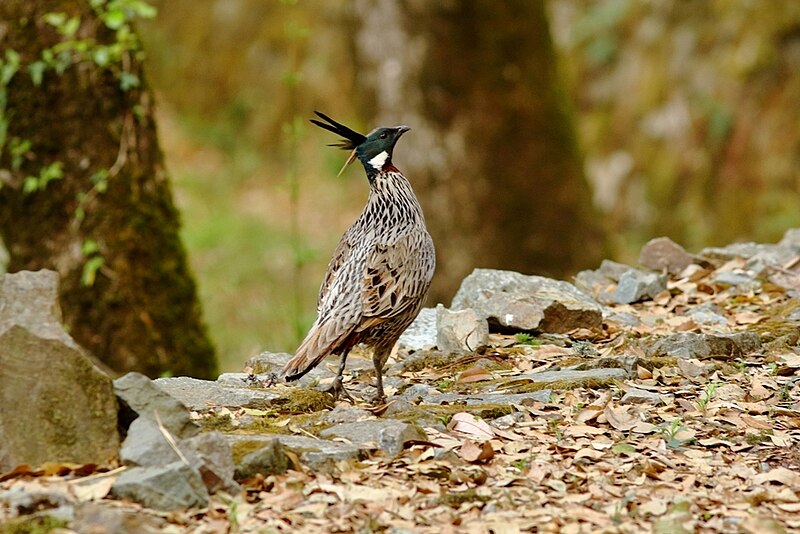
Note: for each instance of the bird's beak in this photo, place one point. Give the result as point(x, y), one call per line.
point(350, 160)
point(402, 129)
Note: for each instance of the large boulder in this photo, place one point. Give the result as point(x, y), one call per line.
point(55, 404)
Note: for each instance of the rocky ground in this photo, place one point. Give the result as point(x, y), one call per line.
point(662, 398)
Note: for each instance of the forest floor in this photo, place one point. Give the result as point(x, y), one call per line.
point(702, 443)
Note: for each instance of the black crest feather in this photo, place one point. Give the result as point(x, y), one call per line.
point(351, 137)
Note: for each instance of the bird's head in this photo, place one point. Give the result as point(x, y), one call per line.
point(374, 150)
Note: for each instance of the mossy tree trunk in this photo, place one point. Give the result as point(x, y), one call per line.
point(83, 188)
point(493, 151)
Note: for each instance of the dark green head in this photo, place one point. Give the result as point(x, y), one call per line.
point(376, 152)
point(373, 150)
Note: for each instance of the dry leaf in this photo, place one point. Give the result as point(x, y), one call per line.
point(476, 452)
point(781, 475)
point(621, 418)
point(473, 374)
point(466, 423)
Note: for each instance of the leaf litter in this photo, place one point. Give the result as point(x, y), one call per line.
point(717, 449)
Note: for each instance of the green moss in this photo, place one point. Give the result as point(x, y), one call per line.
point(304, 400)
point(240, 449)
point(444, 412)
point(39, 524)
point(220, 423)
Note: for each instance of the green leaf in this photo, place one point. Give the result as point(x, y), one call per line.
point(114, 19)
point(89, 247)
point(36, 72)
point(128, 81)
point(90, 269)
point(70, 27)
point(623, 448)
point(55, 19)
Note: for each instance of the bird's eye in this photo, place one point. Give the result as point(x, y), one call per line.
point(384, 135)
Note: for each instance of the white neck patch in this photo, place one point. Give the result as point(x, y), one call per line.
point(378, 161)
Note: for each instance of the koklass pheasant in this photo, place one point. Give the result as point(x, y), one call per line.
point(381, 270)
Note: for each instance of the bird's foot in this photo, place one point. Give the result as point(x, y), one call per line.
point(379, 398)
point(336, 389)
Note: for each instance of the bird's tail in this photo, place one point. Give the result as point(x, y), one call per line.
point(317, 345)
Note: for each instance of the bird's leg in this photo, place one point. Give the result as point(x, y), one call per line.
point(337, 388)
point(379, 357)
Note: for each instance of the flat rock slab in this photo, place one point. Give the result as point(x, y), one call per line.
point(315, 453)
point(175, 486)
point(702, 346)
point(271, 363)
point(55, 405)
point(201, 395)
point(506, 399)
point(569, 375)
point(512, 301)
point(141, 397)
point(388, 435)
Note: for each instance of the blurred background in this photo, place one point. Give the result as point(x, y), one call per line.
point(545, 136)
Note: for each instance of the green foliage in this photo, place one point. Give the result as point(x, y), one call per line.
point(708, 394)
point(48, 173)
point(523, 338)
point(94, 261)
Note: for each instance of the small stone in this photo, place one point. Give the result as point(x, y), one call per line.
point(569, 375)
point(640, 396)
point(733, 278)
point(386, 434)
point(701, 346)
point(662, 253)
point(268, 458)
point(613, 270)
point(215, 461)
point(635, 285)
point(140, 396)
point(345, 414)
point(460, 330)
point(175, 486)
point(318, 454)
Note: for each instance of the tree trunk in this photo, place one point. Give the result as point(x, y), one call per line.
point(83, 190)
point(493, 151)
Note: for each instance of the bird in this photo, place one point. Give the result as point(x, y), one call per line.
point(381, 270)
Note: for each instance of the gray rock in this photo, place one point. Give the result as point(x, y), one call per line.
point(662, 253)
point(272, 363)
point(624, 318)
point(30, 299)
point(267, 457)
point(733, 278)
point(55, 405)
point(513, 301)
point(701, 346)
point(416, 392)
point(641, 396)
point(460, 330)
point(140, 396)
point(569, 375)
point(200, 395)
point(543, 395)
point(101, 518)
point(707, 314)
point(174, 486)
point(635, 285)
point(145, 445)
point(320, 454)
point(758, 256)
point(345, 414)
point(596, 284)
point(791, 239)
point(386, 434)
point(421, 334)
point(215, 461)
point(613, 270)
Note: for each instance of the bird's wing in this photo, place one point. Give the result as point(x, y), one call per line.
point(340, 255)
point(338, 310)
point(397, 277)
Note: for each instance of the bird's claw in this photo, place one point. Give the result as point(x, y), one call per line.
point(336, 389)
